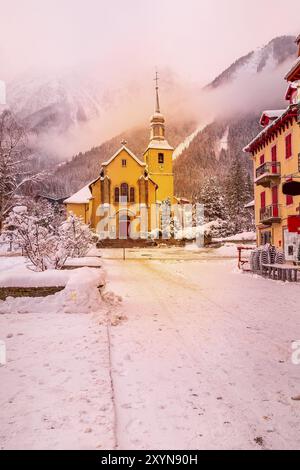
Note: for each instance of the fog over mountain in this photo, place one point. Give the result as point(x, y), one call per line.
point(77, 109)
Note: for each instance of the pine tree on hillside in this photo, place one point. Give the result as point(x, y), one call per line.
point(238, 192)
point(212, 199)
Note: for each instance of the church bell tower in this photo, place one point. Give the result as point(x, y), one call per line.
point(159, 154)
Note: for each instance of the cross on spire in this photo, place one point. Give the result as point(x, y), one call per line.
point(156, 79)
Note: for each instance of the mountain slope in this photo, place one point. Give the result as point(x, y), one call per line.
point(269, 57)
point(68, 177)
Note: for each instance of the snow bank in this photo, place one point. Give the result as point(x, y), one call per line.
point(81, 294)
point(229, 250)
point(89, 261)
point(245, 236)
point(23, 277)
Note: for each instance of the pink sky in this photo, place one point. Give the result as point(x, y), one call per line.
point(196, 39)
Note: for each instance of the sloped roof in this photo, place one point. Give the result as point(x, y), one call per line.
point(262, 137)
point(129, 153)
point(159, 145)
point(270, 114)
point(81, 197)
point(294, 73)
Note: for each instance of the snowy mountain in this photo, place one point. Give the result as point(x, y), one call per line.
point(266, 58)
point(45, 102)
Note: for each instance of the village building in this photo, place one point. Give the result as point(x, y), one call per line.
point(276, 160)
point(125, 200)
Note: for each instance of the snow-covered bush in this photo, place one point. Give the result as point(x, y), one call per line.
point(38, 243)
point(45, 245)
point(75, 236)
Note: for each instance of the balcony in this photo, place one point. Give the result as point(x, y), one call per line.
point(270, 214)
point(268, 173)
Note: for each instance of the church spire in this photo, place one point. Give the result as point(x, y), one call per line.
point(157, 120)
point(157, 109)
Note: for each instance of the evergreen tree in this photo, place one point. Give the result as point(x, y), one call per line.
point(212, 199)
point(238, 193)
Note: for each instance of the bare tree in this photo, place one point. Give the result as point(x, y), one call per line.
point(14, 163)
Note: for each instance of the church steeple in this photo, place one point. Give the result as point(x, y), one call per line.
point(157, 120)
point(157, 109)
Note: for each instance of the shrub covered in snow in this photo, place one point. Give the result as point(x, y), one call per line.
point(47, 245)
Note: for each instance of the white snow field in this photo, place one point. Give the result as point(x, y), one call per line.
point(55, 390)
point(204, 359)
point(200, 359)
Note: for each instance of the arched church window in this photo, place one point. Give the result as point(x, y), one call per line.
point(124, 191)
point(132, 195)
point(117, 194)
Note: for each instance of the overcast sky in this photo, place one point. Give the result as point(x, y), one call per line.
point(195, 38)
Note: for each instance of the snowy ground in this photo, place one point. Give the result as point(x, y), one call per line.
point(202, 361)
point(55, 387)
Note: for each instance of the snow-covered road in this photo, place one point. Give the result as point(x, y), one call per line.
point(204, 359)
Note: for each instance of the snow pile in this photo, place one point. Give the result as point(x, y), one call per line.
point(81, 294)
point(89, 261)
point(229, 250)
point(245, 236)
point(23, 277)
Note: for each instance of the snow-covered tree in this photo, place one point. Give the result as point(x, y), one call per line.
point(38, 243)
point(75, 236)
point(213, 200)
point(44, 244)
point(14, 163)
point(238, 192)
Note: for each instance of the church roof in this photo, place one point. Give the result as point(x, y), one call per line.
point(81, 197)
point(159, 145)
point(129, 153)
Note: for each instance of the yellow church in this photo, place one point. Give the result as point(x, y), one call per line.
point(125, 200)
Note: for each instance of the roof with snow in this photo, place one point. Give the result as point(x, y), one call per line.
point(294, 73)
point(159, 145)
point(129, 153)
point(250, 205)
point(81, 197)
point(270, 115)
point(264, 136)
point(290, 90)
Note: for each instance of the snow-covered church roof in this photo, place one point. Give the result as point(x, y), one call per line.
point(159, 145)
point(129, 153)
point(81, 197)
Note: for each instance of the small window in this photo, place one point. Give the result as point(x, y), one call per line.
point(262, 159)
point(288, 146)
point(117, 194)
point(132, 195)
point(289, 200)
point(124, 163)
point(161, 158)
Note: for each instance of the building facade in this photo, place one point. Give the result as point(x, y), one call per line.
point(276, 159)
point(125, 199)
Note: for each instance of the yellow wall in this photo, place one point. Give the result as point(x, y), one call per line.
point(162, 174)
point(80, 210)
point(117, 174)
point(288, 167)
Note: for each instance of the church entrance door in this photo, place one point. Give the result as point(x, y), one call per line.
point(124, 226)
